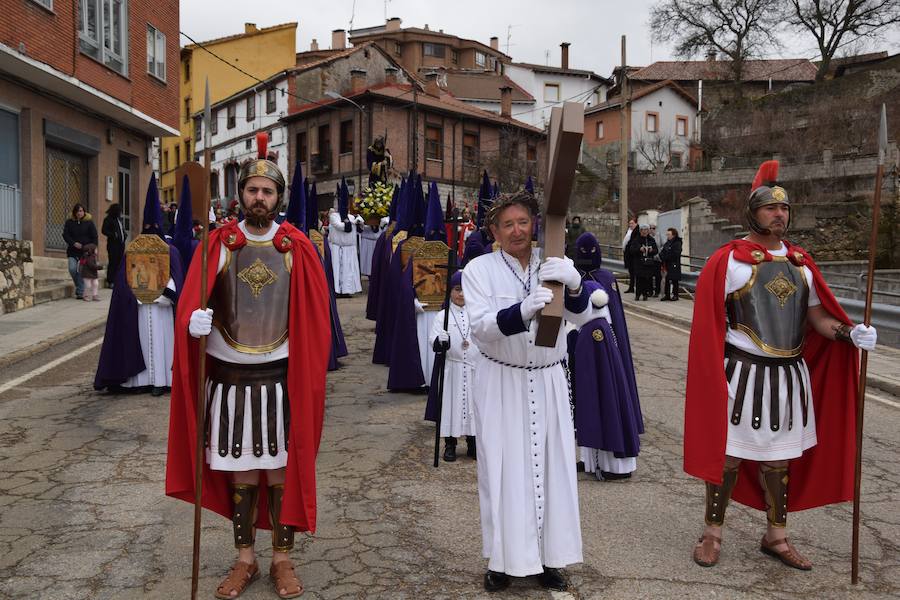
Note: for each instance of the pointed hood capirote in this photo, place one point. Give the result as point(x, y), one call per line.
point(296, 209)
point(152, 212)
point(183, 239)
point(434, 216)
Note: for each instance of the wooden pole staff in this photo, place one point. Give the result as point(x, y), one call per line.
point(441, 359)
point(864, 355)
point(201, 363)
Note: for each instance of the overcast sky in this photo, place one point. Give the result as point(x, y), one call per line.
point(534, 27)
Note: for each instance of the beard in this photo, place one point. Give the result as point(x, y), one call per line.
point(259, 215)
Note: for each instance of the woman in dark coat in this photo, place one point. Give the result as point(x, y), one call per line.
point(114, 230)
point(643, 248)
point(78, 232)
point(670, 255)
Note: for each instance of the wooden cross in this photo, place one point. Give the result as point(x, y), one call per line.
point(566, 131)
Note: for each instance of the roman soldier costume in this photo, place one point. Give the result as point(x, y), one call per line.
point(267, 354)
point(764, 387)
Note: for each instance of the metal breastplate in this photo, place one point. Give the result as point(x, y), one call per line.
point(771, 307)
point(250, 298)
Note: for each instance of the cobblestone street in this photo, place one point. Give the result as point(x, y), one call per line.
point(84, 513)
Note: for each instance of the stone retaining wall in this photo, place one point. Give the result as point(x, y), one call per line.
point(16, 275)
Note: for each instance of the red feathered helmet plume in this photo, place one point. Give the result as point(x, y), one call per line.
point(261, 166)
point(765, 191)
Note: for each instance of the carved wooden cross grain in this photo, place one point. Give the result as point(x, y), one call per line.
point(566, 131)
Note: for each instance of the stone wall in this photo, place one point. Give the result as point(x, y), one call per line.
point(16, 276)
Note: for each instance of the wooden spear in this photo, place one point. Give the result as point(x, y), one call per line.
point(864, 355)
point(200, 426)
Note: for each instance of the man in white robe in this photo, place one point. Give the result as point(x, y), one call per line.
point(344, 240)
point(527, 482)
point(156, 328)
point(367, 238)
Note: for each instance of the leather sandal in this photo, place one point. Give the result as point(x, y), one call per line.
point(284, 578)
point(787, 553)
point(239, 578)
point(705, 552)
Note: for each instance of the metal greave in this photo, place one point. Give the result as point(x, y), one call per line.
point(718, 497)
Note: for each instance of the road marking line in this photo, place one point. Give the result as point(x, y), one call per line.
point(50, 365)
point(869, 395)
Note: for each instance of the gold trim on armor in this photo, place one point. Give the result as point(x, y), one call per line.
point(227, 259)
point(260, 244)
point(257, 276)
point(736, 295)
point(250, 349)
point(288, 261)
point(764, 346)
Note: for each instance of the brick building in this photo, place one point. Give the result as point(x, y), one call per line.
point(427, 129)
point(80, 103)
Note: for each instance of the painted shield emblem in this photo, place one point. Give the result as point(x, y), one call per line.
point(147, 267)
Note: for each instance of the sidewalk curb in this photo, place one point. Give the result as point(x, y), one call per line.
point(872, 381)
point(20, 355)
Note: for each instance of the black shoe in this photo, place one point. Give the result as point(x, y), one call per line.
point(553, 579)
point(607, 476)
point(579, 466)
point(450, 450)
point(494, 581)
point(629, 291)
point(674, 298)
point(158, 391)
point(471, 451)
point(664, 299)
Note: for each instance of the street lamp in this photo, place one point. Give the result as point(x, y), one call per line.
point(334, 95)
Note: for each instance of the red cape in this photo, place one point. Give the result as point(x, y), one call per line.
point(309, 340)
point(824, 474)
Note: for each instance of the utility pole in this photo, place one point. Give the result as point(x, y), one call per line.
point(415, 139)
point(625, 146)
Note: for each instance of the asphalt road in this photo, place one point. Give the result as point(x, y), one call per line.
point(83, 513)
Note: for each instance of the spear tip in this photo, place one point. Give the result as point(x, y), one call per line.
point(882, 136)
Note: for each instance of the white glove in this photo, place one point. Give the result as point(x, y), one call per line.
point(420, 308)
point(534, 302)
point(201, 322)
point(562, 270)
point(864, 337)
point(163, 300)
point(443, 337)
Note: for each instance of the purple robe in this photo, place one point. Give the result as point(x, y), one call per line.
point(607, 417)
point(338, 345)
point(121, 356)
point(389, 284)
point(381, 260)
point(405, 364)
point(476, 245)
point(608, 282)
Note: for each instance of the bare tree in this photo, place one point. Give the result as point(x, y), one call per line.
point(838, 23)
point(655, 148)
point(739, 29)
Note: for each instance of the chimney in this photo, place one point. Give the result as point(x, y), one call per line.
point(506, 101)
point(338, 39)
point(314, 46)
point(495, 43)
point(564, 58)
point(390, 75)
point(426, 27)
point(393, 24)
point(357, 80)
point(431, 85)
point(250, 28)
point(711, 54)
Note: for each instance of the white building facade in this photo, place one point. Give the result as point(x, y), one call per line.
point(551, 86)
point(662, 128)
point(236, 122)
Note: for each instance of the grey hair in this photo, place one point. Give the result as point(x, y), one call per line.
point(524, 199)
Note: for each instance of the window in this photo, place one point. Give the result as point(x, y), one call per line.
point(397, 48)
point(325, 142)
point(214, 123)
point(531, 152)
point(214, 184)
point(480, 59)
point(187, 149)
point(251, 108)
point(165, 160)
point(232, 115)
point(599, 130)
point(302, 148)
point(231, 176)
point(187, 70)
point(48, 4)
point(652, 122)
point(681, 126)
point(435, 50)
point(470, 149)
point(198, 129)
point(177, 156)
point(434, 142)
point(270, 100)
point(187, 109)
point(551, 92)
point(248, 144)
point(103, 32)
point(454, 57)
point(346, 137)
point(156, 52)
point(675, 160)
